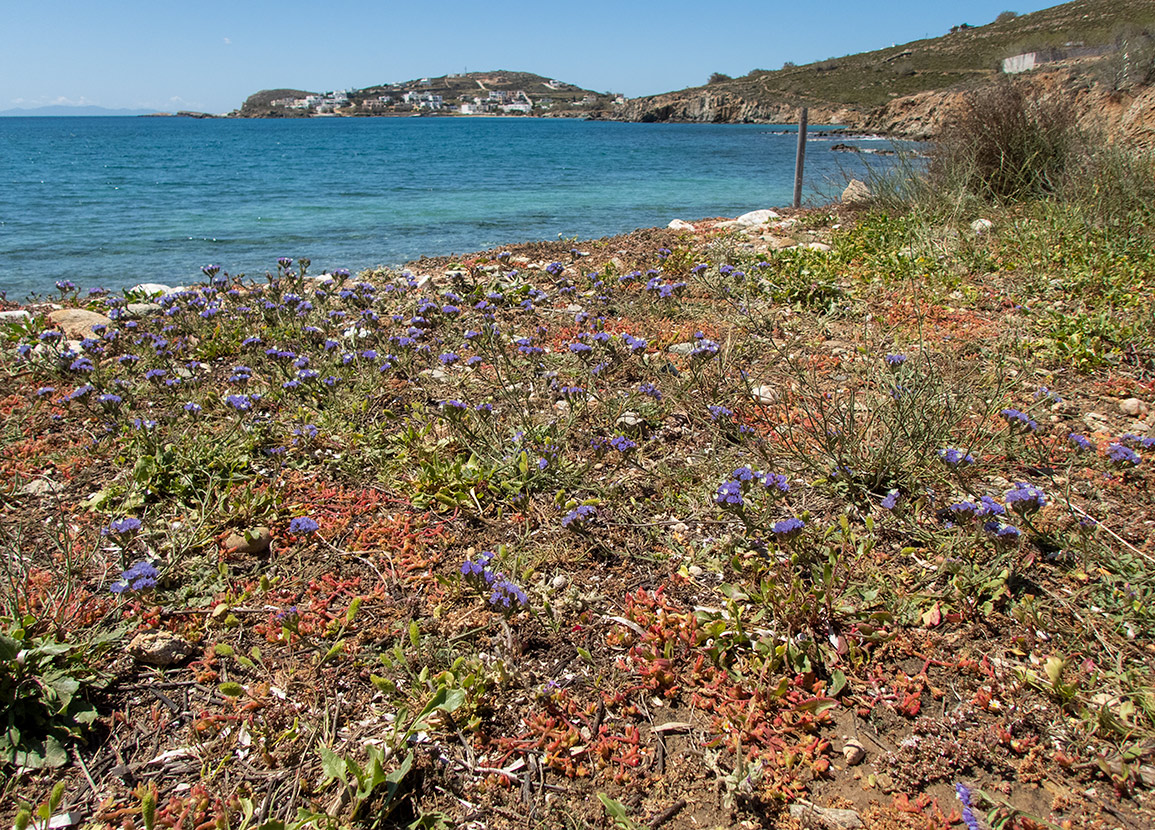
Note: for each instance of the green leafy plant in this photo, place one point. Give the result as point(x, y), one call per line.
point(42, 685)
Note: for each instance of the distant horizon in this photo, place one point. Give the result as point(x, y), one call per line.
point(136, 55)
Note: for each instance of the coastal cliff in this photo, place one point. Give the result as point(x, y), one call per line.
point(1126, 115)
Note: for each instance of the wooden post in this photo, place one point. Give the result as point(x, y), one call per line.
point(800, 158)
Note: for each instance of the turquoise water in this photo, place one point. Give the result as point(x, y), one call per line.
point(116, 201)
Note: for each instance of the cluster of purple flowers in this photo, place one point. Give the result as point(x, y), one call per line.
point(140, 577)
point(1123, 456)
point(1019, 421)
point(894, 361)
point(1025, 499)
point(303, 526)
point(505, 596)
point(577, 517)
point(956, 458)
point(787, 529)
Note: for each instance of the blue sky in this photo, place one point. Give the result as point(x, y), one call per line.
point(209, 55)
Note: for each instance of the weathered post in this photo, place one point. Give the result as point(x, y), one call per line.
point(800, 158)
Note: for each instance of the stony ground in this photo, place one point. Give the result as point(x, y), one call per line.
point(819, 519)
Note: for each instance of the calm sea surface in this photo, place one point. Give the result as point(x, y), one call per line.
point(117, 201)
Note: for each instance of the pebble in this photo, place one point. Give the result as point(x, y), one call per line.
point(817, 246)
point(681, 348)
point(254, 540)
point(1095, 421)
point(766, 395)
point(981, 226)
point(854, 752)
point(680, 225)
point(1134, 407)
point(17, 315)
point(159, 648)
point(630, 422)
point(559, 582)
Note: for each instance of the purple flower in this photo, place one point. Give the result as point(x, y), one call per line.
point(718, 413)
point(776, 481)
point(1123, 456)
point(704, 349)
point(623, 444)
point(891, 500)
point(449, 358)
point(1025, 499)
point(895, 360)
point(963, 511)
point(650, 390)
point(240, 403)
point(124, 526)
point(303, 525)
point(729, 495)
point(140, 577)
point(787, 529)
point(1080, 442)
point(956, 458)
point(579, 515)
point(1019, 421)
point(743, 474)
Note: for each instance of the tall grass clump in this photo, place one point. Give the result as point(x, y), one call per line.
point(1005, 144)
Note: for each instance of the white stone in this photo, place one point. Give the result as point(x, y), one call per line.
point(766, 395)
point(150, 289)
point(680, 225)
point(17, 315)
point(817, 246)
point(137, 310)
point(981, 226)
point(757, 217)
point(681, 348)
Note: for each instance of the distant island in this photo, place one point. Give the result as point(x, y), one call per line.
point(498, 92)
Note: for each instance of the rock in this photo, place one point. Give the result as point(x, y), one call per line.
point(681, 348)
point(766, 395)
point(756, 217)
point(780, 243)
point(77, 323)
point(17, 315)
point(680, 225)
point(856, 193)
point(1096, 422)
point(159, 648)
point(630, 422)
point(254, 540)
point(853, 752)
point(1134, 407)
point(817, 246)
point(40, 487)
point(981, 226)
point(150, 289)
point(809, 814)
point(135, 311)
point(559, 582)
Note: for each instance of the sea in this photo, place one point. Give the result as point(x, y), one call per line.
point(115, 201)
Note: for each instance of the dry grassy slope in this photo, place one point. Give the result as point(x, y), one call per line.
point(904, 89)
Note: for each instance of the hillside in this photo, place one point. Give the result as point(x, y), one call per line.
point(1102, 37)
